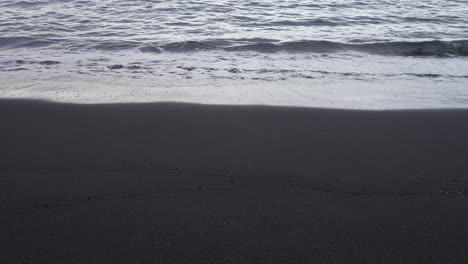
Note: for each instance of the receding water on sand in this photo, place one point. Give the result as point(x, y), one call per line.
point(343, 80)
point(347, 94)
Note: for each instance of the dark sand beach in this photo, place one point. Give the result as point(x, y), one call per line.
point(187, 183)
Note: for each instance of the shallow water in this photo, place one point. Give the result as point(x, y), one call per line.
point(306, 46)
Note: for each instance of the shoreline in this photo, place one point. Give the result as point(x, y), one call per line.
point(177, 182)
point(337, 94)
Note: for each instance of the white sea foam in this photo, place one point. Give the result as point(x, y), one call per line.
point(266, 52)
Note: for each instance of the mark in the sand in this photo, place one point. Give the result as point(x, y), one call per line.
point(233, 179)
point(99, 198)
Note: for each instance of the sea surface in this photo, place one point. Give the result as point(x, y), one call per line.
point(353, 54)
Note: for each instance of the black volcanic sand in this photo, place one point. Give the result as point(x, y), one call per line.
point(187, 183)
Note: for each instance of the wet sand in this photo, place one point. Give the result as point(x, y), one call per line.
point(188, 183)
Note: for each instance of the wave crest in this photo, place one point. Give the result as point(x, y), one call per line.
point(395, 48)
point(422, 48)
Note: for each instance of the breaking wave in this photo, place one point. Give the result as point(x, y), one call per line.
point(394, 48)
point(423, 48)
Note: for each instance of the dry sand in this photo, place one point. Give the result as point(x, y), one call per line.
point(187, 183)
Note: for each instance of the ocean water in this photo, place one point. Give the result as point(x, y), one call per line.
point(352, 54)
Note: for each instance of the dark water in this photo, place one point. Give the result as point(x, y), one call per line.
point(403, 26)
point(195, 43)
